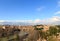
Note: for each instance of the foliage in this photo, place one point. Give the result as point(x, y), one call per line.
point(39, 28)
point(58, 26)
point(53, 30)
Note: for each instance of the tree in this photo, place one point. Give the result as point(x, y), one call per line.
point(53, 31)
point(58, 26)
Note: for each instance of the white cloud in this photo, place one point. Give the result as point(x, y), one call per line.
point(52, 20)
point(58, 12)
point(37, 21)
point(40, 8)
point(2, 20)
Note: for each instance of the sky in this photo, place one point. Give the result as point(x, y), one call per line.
point(30, 10)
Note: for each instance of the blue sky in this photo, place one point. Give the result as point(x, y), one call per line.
point(29, 9)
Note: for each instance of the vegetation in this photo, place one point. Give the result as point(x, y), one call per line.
point(49, 34)
point(58, 26)
point(52, 38)
point(34, 35)
point(53, 30)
